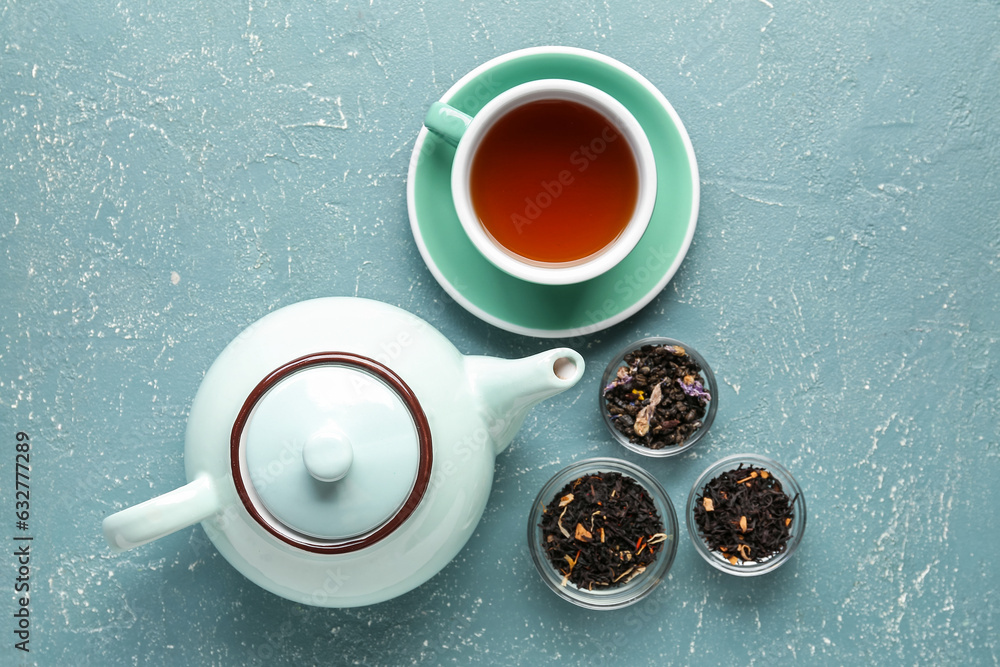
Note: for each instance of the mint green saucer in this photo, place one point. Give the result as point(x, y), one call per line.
point(556, 311)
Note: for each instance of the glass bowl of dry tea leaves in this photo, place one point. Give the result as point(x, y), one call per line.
point(602, 533)
point(658, 397)
point(746, 515)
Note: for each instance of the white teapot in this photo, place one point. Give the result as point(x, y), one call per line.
point(340, 451)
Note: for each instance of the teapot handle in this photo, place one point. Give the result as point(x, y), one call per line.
point(162, 515)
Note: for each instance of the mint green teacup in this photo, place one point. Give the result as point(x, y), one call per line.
point(467, 134)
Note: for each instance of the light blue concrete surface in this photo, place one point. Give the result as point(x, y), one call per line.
point(170, 173)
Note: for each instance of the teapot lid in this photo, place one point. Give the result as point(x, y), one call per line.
point(331, 452)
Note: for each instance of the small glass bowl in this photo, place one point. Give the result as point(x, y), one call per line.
point(708, 381)
point(639, 586)
point(796, 528)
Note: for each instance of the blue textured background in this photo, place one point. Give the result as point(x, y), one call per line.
point(169, 174)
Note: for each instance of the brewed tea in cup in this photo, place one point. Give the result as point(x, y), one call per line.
point(553, 181)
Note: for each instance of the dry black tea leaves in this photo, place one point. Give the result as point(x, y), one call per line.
point(744, 515)
point(601, 530)
point(657, 398)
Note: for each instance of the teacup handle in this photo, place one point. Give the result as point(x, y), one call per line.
point(162, 515)
point(447, 122)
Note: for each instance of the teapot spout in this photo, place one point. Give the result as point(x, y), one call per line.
point(508, 388)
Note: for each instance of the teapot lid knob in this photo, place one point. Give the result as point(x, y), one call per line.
point(328, 454)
